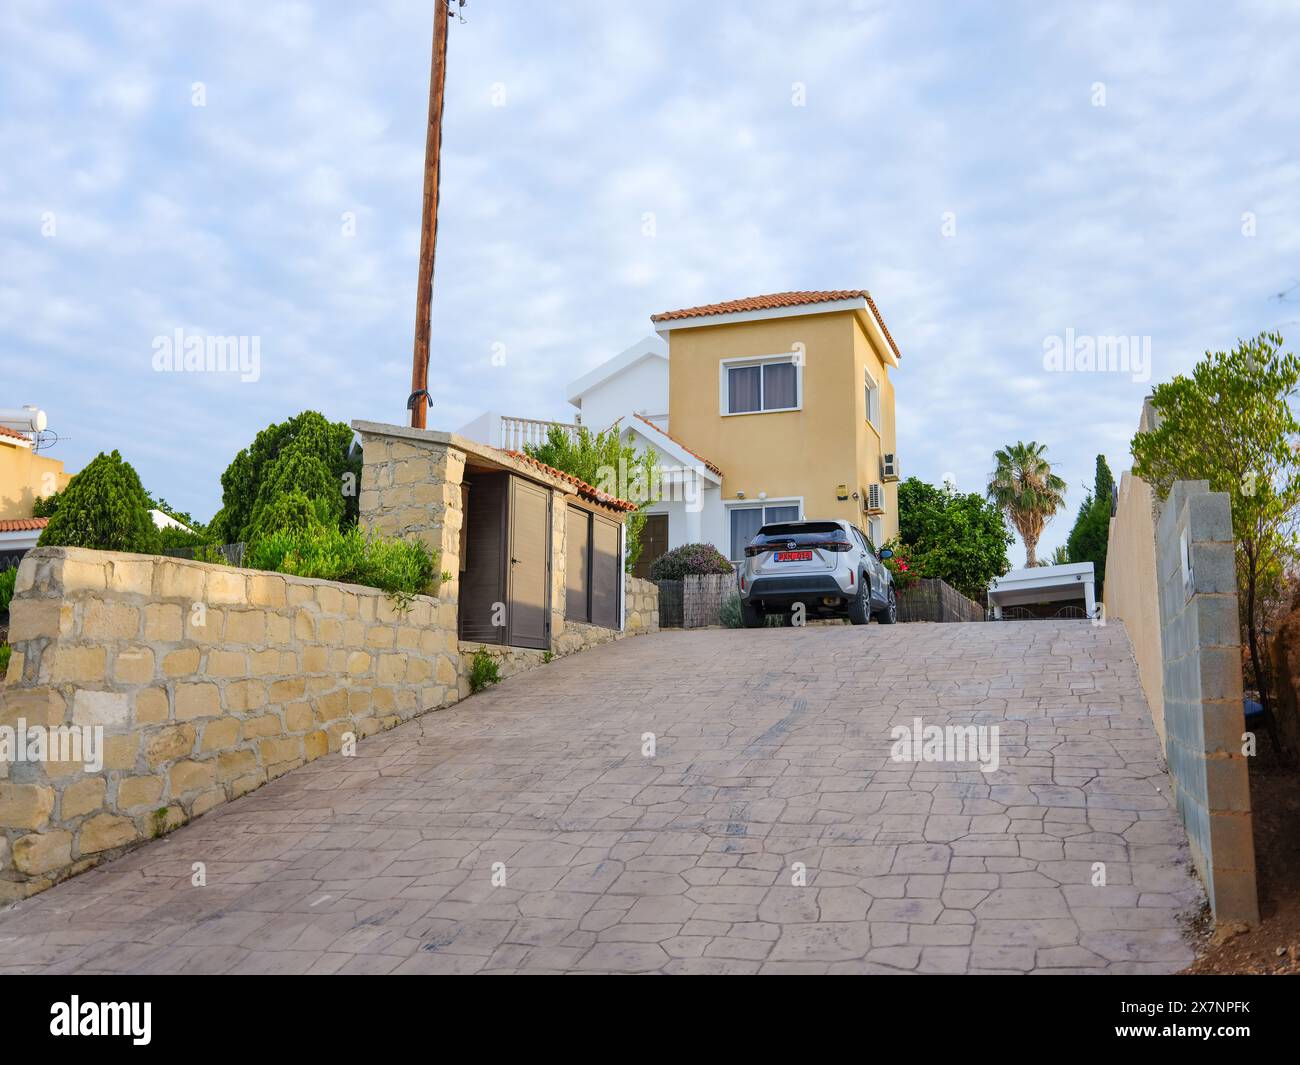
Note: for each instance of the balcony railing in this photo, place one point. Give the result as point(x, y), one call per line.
point(516, 432)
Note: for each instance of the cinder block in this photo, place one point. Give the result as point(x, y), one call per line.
point(1209, 517)
point(1214, 568)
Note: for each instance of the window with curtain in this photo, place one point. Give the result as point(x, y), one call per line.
point(762, 386)
point(746, 521)
point(780, 386)
point(744, 389)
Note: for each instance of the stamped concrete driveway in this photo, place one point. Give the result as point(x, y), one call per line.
point(526, 830)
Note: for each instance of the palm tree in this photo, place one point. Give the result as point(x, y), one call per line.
point(1024, 488)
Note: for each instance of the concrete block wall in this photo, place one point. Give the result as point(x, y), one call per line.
point(1131, 592)
point(207, 682)
point(1202, 691)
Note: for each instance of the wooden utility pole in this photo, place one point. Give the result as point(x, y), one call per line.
point(419, 399)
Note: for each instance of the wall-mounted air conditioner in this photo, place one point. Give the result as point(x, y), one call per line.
point(875, 499)
point(889, 467)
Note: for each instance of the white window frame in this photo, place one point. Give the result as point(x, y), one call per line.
point(728, 505)
point(759, 360)
point(875, 532)
point(872, 396)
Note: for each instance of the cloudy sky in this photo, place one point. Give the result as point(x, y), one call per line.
point(996, 174)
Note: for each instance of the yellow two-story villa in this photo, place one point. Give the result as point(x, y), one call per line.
point(763, 409)
point(789, 395)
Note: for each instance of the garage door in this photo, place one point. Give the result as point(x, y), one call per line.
point(606, 572)
point(577, 565)
point(530, 545)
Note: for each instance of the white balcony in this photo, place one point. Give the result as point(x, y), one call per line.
point(511, 433)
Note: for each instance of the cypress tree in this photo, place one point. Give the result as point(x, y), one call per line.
point(105, 507)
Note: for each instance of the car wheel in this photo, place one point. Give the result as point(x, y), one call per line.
point(860, 605)
point(750, 616)
point(889, 615)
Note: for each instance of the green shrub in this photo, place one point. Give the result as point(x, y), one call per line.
point(45, 508)
point(105, 507)
point(399, 567)
point(688, 560)
point(306, 454)
point(7, 579)
point(729, 615)
point(5, 652)
point(604, 461)
point(292, 512)
point(483, 670)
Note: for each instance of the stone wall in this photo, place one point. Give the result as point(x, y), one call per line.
point(641, 615)
point(1130, 593)
point(207, 682)
point(640, 605)
point(1201, 641)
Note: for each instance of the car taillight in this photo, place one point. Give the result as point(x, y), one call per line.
point(834, 545)
point(850, 578)
point(755, 549)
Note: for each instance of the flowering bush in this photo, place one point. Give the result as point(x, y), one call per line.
point(900, 566)
point(689, 560)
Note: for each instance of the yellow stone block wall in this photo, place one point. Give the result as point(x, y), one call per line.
point(207, 681)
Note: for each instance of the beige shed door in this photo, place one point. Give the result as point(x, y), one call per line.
point(529, 569)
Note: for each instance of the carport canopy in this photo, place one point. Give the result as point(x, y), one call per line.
point(1044, 584)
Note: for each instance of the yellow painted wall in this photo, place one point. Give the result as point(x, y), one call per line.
point(25, 475)
point(807, 452)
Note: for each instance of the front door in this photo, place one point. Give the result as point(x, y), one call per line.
point(654, 543)
point(529, 576)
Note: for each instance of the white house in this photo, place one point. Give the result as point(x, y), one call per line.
point(636, 379)
point(630, 391)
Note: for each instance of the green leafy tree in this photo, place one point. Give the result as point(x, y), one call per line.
point(958, 538)
point(1087, 540)
point(605, 462)
point(307, 454)
point(105, 507)
point(45, 507)
point(1026, 490)
point(1231, 423)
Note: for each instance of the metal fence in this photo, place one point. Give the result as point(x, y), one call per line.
point(232, 553)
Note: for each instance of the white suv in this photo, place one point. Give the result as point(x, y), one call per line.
point(828, 566)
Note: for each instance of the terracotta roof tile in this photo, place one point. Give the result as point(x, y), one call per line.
point(583, 489)
point(708, 465)
point(23, 524)
point(6, 431)
point(777, 300)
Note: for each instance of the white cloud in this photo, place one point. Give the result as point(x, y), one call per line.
point(1117, 219)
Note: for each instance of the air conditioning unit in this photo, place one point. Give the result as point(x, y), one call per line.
point(875, 496)
point(889, 467)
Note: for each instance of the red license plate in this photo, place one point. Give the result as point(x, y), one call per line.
point(794, 556)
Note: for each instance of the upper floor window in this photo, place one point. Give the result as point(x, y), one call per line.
point(767, 383)
point(873, 398)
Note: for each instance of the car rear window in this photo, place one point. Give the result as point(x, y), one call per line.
point(793, 528)
point(802, 533)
